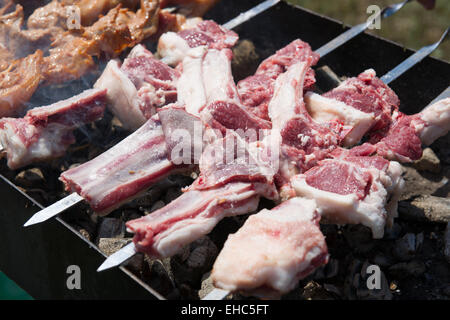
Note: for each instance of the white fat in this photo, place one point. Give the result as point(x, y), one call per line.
point(122, 96)
point(437, 119)
point(172, 48)
point(324, 110)
point(190, 85)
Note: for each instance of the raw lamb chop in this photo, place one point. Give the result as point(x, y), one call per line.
point(138, 87)
point(46, 132)
point(272, 251)
point(256, 91)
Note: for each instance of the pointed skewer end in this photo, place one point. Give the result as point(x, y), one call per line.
point(119, 257)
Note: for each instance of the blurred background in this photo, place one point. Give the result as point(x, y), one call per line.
point(412, 27)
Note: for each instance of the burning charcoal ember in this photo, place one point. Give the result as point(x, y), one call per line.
point(111, 245)
point(315, 291)
point(426, 208)
point(190, 265)
point(30, 178)
point(85, 234)
point(429, 162)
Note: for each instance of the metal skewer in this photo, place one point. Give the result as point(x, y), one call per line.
point(412, 60)
point(354, 31)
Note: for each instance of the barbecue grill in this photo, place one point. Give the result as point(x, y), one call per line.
point(37, 258)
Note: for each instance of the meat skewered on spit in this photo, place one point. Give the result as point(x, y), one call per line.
point(384, 170)
point(126, 93)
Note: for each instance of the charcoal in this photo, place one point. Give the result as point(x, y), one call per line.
point(172, 194)
point(405, 248)
point(110, 245)
point(426, 208)
point(157, 205)
point(447, 242)
point(421, 183)
point(355, 286)
point(429, 162)
point(156, 275)
point(207, 285)
point(245, 59)
point(359, 237)
point(193, 261)
point(111, 228)
point(413, 268)
point(30, 178)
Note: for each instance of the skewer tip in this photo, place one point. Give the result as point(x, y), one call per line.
point(119, 257)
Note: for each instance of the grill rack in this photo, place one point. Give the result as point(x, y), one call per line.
point(38, 263)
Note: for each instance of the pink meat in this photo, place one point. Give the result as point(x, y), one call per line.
point(272, 251)
point(191, 216)
point(369, 94)
point(257, 90)
point(124, 171)
point(46, 132)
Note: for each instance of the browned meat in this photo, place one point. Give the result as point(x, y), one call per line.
point(17, 40)
point(18, 83)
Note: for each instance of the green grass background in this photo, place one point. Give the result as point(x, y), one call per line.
point(412, 26)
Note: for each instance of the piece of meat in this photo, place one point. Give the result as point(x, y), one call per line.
point(172, 47)
point(18, 83)
point(272, 251)
point(123, 172)
point(231, 159)
point(368, 94)
point(256, 91)
point(291, 119)
point(191, 216)
point(403, 139)
point(352, 190)
point(122, 96)
point(71, 54)
point(154, 80)
point(326, 111)
point(138, 87)
point(21, 42)
point(46, 132)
